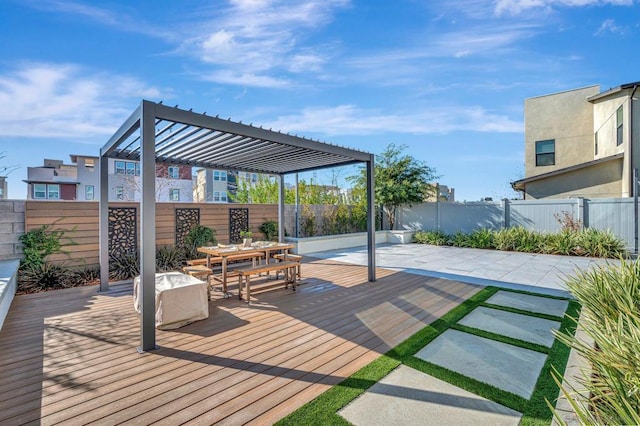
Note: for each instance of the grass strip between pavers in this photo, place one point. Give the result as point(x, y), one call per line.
point(502, 339)
point(537, 411)
point(522, 312)
point(324, 409)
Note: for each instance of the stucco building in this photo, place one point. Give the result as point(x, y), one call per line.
point(581, 143)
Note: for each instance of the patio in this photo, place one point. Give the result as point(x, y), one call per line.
point(69, 355)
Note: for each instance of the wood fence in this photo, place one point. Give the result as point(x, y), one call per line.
point(80, 221)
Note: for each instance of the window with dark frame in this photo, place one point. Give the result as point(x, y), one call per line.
point(119, 167)
point(619, 126)
point(174, 194)
point(546, 152)
point(595, 144)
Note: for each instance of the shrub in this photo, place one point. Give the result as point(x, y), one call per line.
point(610, 298)
point(460, 239)
point(39, 243)
point(568, 222)
point(270, 229)
point(169, 258)
point(436, 238)
point(565, 242)
point(597, 243)
point(307, 223)
point(482, 239)
point(44, 276)
point(519, 239)
point(503, 240)
point(87, 275)
point(198, 236)
point(124, 266)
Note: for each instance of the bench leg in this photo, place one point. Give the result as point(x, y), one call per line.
point(247, 286)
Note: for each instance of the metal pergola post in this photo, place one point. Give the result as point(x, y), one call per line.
point(371, 219)
point(281, 200)
point(103, 226)
point(148, 228)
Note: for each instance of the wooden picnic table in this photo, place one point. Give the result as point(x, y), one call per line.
point(225, 251)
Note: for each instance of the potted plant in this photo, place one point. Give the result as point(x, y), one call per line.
point(246, 238)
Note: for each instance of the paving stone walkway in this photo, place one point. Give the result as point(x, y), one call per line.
point(407, 396)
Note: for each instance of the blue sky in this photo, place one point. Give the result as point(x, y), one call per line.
point(445, 78)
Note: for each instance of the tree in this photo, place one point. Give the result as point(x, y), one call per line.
point(399, 180)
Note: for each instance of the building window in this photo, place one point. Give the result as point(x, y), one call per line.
point(546, 153)
point(254, 178)
point(216, 196)
point(595, 144)
point(619, 126)
point(53, 192)
point(131, 168)
point(89, 164)
point(174, 194)
point(119, 193)
point(220, 175)
point(88, 192)
point(119, 166)
point(174, 172)
point(39, 190)
point(223, 196)
point(137, 169)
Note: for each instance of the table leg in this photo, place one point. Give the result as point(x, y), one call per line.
point(224, 277)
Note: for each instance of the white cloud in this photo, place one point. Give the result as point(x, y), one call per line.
point(609, 26)
point(45, 100)
point(515, 7)
point(106, 17)
point(228, 76)
point(351, 120)
point(257, 39)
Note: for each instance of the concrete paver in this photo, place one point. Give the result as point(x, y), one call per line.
point(504, 366)
point(409, 397)
point(530, 303)
point(539, 273)
point(517, 326)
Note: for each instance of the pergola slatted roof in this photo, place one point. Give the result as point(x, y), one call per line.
point(156, 133)
point(188, 138)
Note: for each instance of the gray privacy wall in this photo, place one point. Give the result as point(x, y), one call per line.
point(614, 214)
point(11, 227)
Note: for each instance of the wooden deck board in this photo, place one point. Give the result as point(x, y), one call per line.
point(69, 356)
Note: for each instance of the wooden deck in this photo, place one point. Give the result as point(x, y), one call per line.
point(70, 357)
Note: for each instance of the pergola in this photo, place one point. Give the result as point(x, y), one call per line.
point(156, 133)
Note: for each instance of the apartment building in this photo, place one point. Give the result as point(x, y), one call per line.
point(80, 181)
point(220, 186)
point(581, 143)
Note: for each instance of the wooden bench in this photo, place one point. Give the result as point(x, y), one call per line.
point(202, 273)
point(293, 258)
point(260, 269)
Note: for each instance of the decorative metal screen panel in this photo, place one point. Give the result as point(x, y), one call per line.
point(123, 230)
point(186, 219)
point(238, 221)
